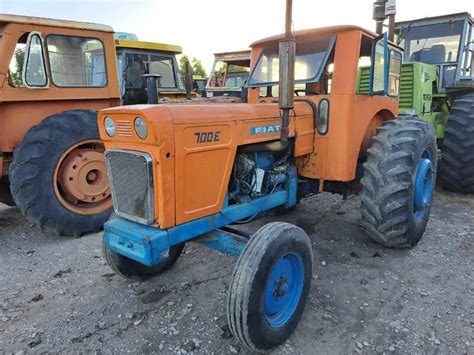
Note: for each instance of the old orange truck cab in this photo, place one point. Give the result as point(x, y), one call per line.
point(187, 172)
point(54, 77)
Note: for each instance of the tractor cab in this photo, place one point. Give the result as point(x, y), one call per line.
point(229, 74)
point(445, 41)
point(137, 58)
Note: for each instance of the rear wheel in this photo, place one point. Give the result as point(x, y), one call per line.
point(58, 176)
point(398, 182)
point(457, 163)
point(270, 286)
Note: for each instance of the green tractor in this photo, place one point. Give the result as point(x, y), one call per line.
point(437, 85)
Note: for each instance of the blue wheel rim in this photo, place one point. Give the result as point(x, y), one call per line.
point(423, 186)
point(283, 289)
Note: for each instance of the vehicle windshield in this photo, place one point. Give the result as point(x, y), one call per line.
point(432, 44)
point(309, 62)
point(228, 75)
point(139, 64)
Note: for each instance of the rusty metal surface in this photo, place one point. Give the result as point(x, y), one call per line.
point(82, 185)
point(233, 56)
point(43, 21)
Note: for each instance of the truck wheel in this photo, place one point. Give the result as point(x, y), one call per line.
point(270, 286)
point(128, 268)
point(58, 177)
point(457, 160)
point(5, 194)
point(398, 182)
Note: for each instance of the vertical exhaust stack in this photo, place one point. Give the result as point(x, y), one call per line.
point(188, 80)
point(384, 9)
point(287, 53)
point(152, 85)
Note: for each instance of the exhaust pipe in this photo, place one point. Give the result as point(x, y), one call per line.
point(382, 10)
point(188, 80)
point(287, 53)
point(152, 85)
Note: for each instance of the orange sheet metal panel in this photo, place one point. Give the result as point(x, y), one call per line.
point(202, 144)
point(16, 118)
point(204, 160)
point(336, 154)
point(159, 145)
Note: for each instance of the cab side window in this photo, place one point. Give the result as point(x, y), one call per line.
point(378, 71)
point(394, 72)
point(76, 61)
point(27, 65)
point(15, 69)
point(35, 68)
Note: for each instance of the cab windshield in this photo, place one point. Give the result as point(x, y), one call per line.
point(432, 44)
point(309, 62)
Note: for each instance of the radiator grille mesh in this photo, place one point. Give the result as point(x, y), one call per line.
point(131, 182)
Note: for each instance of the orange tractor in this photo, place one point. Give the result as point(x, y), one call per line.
point(181, 173)
point(54, 76)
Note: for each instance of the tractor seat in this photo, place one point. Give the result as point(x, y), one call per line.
point(433, 55)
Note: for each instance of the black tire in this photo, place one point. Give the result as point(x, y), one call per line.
point(5, 194)
point(129, 268)
point(457, 160)
point(394, 161)
point(246, 303)
point(32, 173)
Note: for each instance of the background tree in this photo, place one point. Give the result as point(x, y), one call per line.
point(182, 66)
point(198, 69)
point(16, 76)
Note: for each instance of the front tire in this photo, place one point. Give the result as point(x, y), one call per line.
point(58, 177)
point(398, 182)
point(129, 268)
point(270, 286)
point(457, 161)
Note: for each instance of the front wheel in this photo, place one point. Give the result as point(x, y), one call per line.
point(58, 177)
point(270, 286)
point(398, 182)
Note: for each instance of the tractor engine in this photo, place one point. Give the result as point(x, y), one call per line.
point(257, 174)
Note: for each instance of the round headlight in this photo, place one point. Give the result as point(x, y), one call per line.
point(141, 127)
point(109, 126)
point(323, 117)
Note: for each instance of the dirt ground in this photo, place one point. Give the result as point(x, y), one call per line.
point(58, 295)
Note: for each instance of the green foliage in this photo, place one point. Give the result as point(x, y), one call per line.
point(182, 66)
point(196, 66)
point(198, 69)
point(16, 76)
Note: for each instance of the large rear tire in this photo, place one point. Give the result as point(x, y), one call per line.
point(398, 182)
point(457, 162)
point(58, 177)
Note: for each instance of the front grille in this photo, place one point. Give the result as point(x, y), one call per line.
point(131, 182)
point(406, 86)
point(124, 128)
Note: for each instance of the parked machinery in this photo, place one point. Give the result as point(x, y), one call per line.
point(192, 172)
point(229, 75)
point(54, 76)
point(438, 86)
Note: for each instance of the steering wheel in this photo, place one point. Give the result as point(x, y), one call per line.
point(297, 91)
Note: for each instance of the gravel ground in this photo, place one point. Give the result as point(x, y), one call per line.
point(58, 295)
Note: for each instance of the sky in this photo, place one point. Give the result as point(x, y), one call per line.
point(205, 27)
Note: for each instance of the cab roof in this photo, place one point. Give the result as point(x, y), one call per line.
point(234, 55)
point(43, 21)
point(152, 46)
point(435, 19)
point(314, 32)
